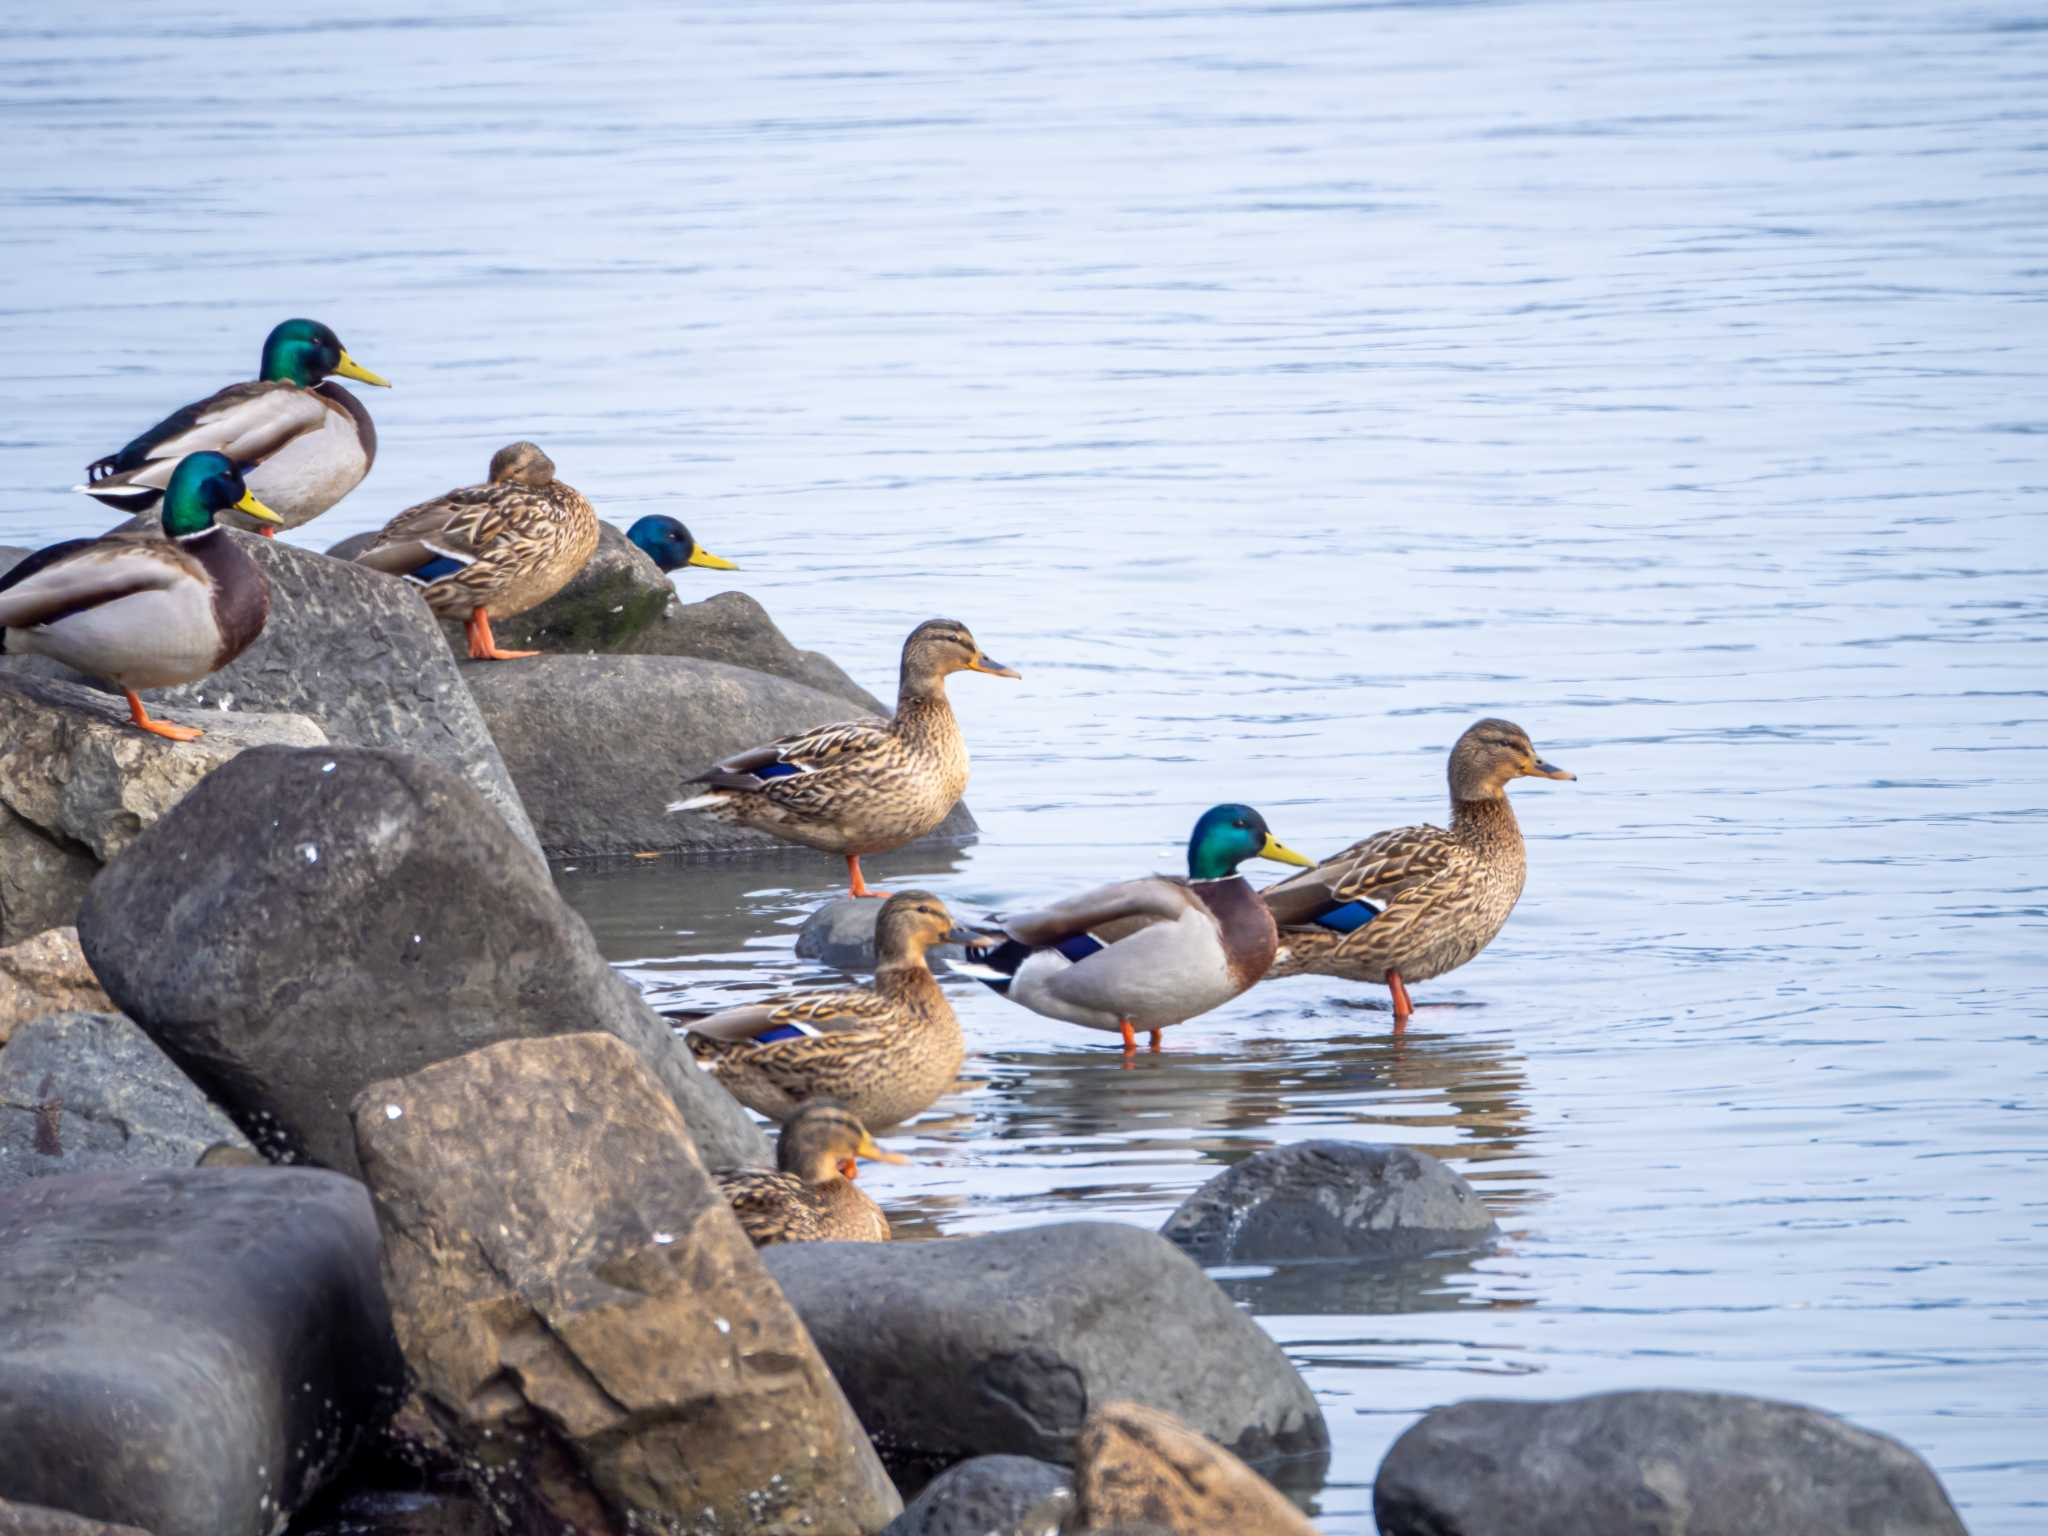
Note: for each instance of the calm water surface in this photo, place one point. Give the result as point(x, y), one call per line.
point(1280, 387)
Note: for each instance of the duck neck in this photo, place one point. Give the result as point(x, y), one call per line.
point(1487, 823)
point(907, 979)
point(923, 712)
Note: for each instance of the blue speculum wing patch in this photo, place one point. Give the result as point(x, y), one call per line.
point(1349, 918)
point(435, 569)
point(777, 771)
point(1080, 946)
point(779, 1032)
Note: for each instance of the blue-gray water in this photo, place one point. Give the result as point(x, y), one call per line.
point(1280, 387)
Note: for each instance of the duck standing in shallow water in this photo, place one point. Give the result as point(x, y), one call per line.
point(493, 550)
point(1415, 902)
point(860, 786)
point(1145, 954)
point(143, 609)
point(811, 1197)
point(301, 440)
point(885, 1054)
point(672, 546)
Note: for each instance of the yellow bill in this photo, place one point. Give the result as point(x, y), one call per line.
point(709, 561)
point(1280, 853)
point(349, 368)
point(992, 668)
point(256, 509)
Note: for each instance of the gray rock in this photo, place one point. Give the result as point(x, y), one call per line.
point(990, 1496)
point(305, 923)
point(841, 933)
point(90, 1092)
point(1001, 1343)
point(1653, 1464)
point(35, 1519)
point(1330, 1200)
point(733, 628)
point(363, 655)
point(599, 745)
point(78, 783)
point(190, 1352)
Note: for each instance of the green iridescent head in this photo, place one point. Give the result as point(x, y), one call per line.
point(202, 485)
point(303, 352)
point(1227, 835)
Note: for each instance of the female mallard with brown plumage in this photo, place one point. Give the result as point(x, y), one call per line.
point(885, 1054)
point(490, 551)
point(147, 609)
point(1145, 954)
point(1415, 902)
point(811, 1198)
point(861, 786)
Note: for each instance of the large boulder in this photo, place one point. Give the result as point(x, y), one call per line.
point(1001, 1343)
point(360, 653)
point(599, 745)
point(1136, 1466)
point(586, 1321)
point(46, 973)
point(1330, 1200)
point(990, 1496)
point(36, 1520)
point(78, 783)
point(1653, 1464)
point(190, 1352)
point(305, 923)
point(89, 1092)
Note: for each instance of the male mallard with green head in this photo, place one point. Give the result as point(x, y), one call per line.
point(489, 551)
point(1150, 953)
point(1415, 902)
point(811, 1198)
point(861, 786)
point(885, 1054)
point(147, 609)
point(670, 545)
point(302, 441)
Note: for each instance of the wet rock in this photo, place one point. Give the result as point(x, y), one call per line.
point(396, 1512)
point(46, 973)
point(90, 1092)
point(1653, 1464)
point(841, 933)
point(35, 1519)
point(190, 1352)
point(1330, 1200)
point(305, 923)
point(990, 1496)
point(78, 783)
point(599, 745)
point(1136, 1466)
point(1000, 1343)
point(733, 628)
point(585, 1319)
point(361, 654)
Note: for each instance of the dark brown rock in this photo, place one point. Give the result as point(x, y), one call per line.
point(586, 1321)
point(46, 973)
point(35, 1520)
point(1136, 1466)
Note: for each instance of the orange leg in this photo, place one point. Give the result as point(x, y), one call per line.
point(159, 727)
point(860, 886)
point(1130, 1038)
point(482, 647)
point(267, 531)
point(1402, 1007)
point(1157, 1036)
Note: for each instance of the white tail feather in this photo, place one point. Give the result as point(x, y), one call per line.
point(977, 970)
point(699, 803)
point(104, 489)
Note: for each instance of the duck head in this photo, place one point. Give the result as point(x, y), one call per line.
point(669, 545)
point(822, 1142)
point(1227, 835)
point(522, 463)
point(1490, 754)
point(303, 352)
point(910, 923)
point(202, 485)
point(939, 647)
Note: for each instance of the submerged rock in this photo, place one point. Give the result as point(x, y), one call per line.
point(191, 1352)
point(1330, 1200)
point(1000, 1343)
point(90, 1092)
point(841, 933)
point(78, 783)
point(1653, 1464)
point(46, 973)
point(990, 1496)
point(305, 923)
point(1136, 1466)
point(600, 745)
point(585, 1319)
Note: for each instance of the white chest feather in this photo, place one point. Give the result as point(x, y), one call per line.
point(153, 639)
point(1160, 975)
point(313, 471)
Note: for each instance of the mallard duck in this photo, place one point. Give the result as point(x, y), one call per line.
point(147, 609)
point(812, 1197)
point(885, 1054)
point(1145, 954)
point(1416, 902)
point(303, 441)
point(669, 545)
point(861, 786)
point(490, 551)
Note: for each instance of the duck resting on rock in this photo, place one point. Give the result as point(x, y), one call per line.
point(302, 441)
point(1415, 902)
point(147, 609)
point(885, 1054)
point(1149, 953)
point(860, 786)
point(671, 546)
point(811, 1197)
point(492, 550)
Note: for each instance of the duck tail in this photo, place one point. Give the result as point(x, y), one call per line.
point(1303, 951)
point(994, 962)
point(710, 801)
